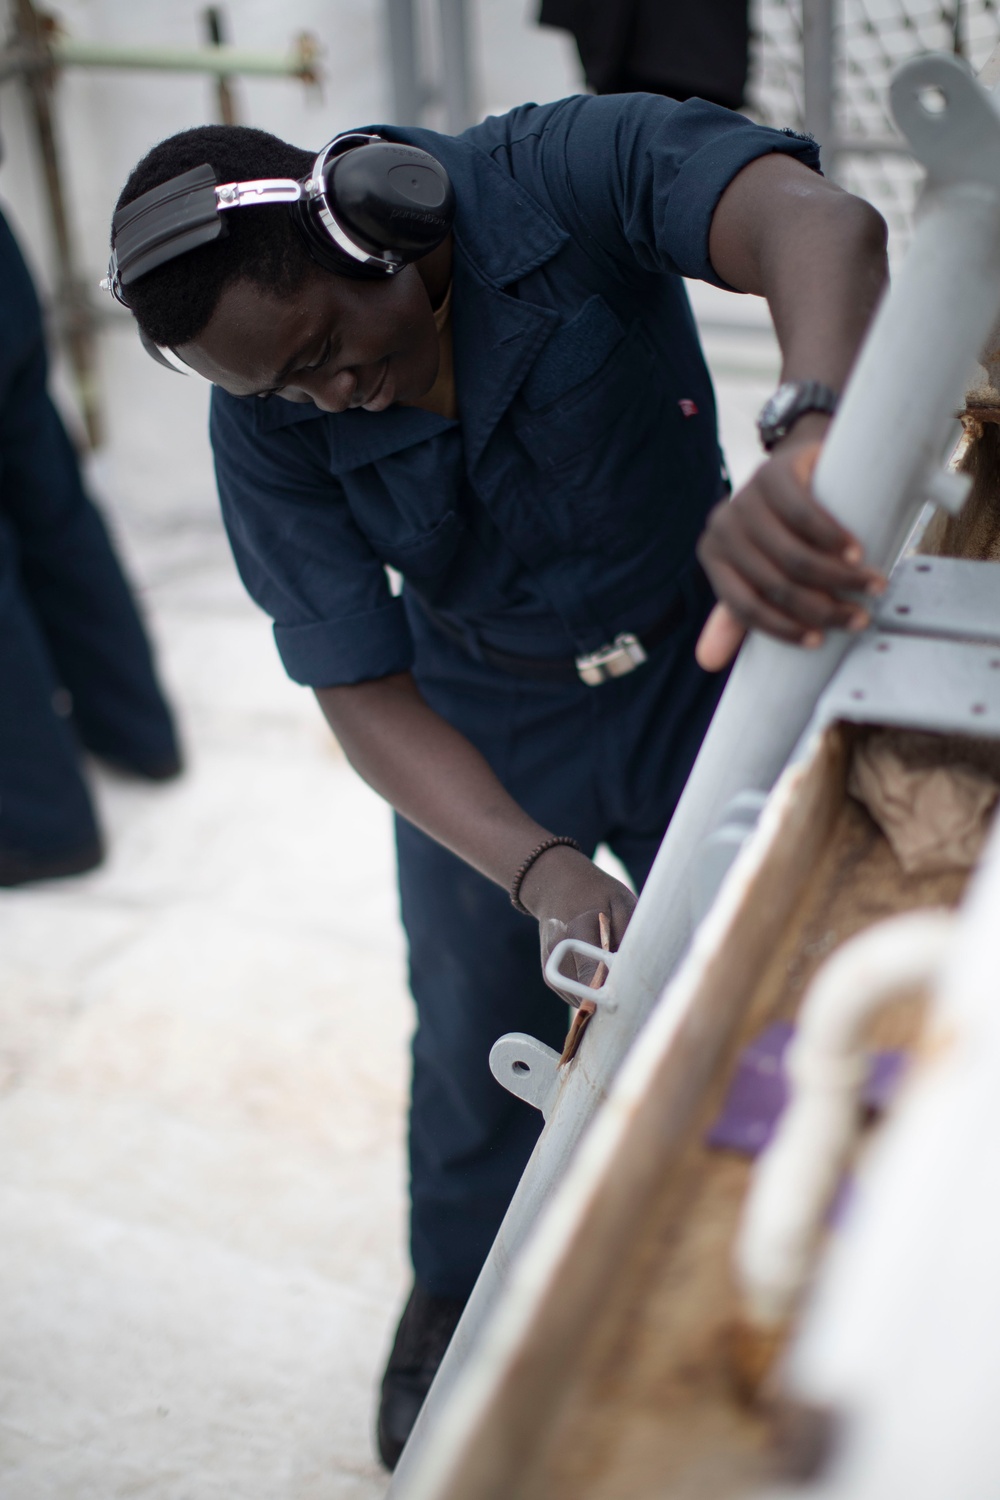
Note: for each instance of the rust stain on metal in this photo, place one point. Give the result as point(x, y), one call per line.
point(586, 1008)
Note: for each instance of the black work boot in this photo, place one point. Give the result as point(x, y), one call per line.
point(423, 1335)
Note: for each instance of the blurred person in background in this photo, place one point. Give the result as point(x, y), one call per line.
point(521, 424)
point(682, 48)
point(76, 671)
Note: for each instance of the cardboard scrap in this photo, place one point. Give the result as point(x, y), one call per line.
point(935, 816)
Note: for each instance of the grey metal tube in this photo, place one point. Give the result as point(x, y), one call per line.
point(458, 87)
point(818, 74)
point(220, 61)
point(404, 66)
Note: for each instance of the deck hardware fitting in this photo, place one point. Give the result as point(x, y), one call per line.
point(573, 986)
point(944, 686)
point(942, 596)
point(526, 1067)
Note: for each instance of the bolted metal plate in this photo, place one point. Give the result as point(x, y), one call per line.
point(916, 683)
point(943, 596)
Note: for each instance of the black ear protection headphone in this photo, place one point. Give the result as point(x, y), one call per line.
point(367, 208)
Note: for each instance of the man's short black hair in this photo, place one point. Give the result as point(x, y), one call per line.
point(261, 245)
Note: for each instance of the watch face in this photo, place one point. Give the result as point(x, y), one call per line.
point(781, 404)
point(790, 401)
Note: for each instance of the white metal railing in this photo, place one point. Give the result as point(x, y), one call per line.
point(824, 66)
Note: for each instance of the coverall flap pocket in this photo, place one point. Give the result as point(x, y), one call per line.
point(610, 411)
point(420, 554)
point(573, 353)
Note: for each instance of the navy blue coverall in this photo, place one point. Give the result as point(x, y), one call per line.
point(67, 618)
point(562, 508)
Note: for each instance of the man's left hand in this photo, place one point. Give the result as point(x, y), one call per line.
point(779, 562)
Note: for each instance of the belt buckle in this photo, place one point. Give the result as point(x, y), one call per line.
point(622, 656)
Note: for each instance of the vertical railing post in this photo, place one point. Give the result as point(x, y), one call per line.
point(458, 89)
point(404, 67)
point(72, 300)
point(818, 76)
point(215, 29)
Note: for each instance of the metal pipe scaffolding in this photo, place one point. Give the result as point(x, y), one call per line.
point(218, 61)
point(38, 52)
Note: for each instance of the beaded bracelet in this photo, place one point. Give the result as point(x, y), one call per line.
point(518, 881)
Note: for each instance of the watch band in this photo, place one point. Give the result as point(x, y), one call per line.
point(792, 400)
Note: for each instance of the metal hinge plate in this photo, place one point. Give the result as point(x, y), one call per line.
point(942, 596)
point(918, 683)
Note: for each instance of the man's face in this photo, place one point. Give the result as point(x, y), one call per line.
point(336, 342)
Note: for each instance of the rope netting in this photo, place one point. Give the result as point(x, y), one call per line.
point(871, 38)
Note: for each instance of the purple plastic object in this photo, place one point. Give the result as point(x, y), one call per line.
point(759, 1091)
point(884, 1077)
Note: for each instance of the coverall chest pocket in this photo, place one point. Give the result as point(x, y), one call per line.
point(589, 396)
point(406, 505)
point(602, 447)
point(421, 554)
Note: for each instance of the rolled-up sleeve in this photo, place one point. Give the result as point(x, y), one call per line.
point(639, 177)
point(300, 553)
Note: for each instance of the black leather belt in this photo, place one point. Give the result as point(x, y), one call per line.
point(616, 659)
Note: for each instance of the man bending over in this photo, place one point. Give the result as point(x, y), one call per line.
point(517, 420)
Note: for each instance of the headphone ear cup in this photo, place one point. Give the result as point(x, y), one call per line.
point(391, 197)
point(325, 251)
point(386, 199)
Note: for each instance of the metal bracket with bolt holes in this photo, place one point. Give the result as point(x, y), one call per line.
point(573, 986)
point(526, 1067)
point(948, 118)
point(915, 683)
point(942, 596)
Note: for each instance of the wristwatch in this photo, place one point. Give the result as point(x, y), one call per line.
point(790, 402)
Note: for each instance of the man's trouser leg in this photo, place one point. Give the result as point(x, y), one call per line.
point(69, 571)
point(45, 810)
point(475, 974)
point(598, 764)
